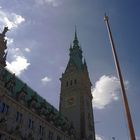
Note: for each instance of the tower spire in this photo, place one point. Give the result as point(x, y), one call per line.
point(75, 92)
point(76, 34)
point(75, 42)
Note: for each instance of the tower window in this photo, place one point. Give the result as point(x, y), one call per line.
point(67, 84)
point(71, 82)
point(75, 81)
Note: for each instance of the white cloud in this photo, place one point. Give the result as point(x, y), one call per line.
point(53, 3)
point(18, 65)
point(12, 20)
point(9, 40)
point(19, 62)
point(46, 80)
point(14, 53)
point(137, 138)
point(27, 50)
point(106, 90)
point(98, 137)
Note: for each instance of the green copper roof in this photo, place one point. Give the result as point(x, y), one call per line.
point(19, 85)
point(76, 53)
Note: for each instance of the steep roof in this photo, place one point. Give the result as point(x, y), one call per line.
point(76, 57)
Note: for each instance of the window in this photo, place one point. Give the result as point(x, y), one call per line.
point(19, 117)
point(67, 84)
point(75, 81)
point(71, 82)
point(4, 108)
point(50, 136)
point(41, 129)
point(31, 124)
point(7, 109)
point(58, 138)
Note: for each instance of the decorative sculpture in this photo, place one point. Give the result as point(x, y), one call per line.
point(3, 47)
point(10, 84)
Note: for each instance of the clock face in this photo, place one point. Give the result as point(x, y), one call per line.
point(70, 101)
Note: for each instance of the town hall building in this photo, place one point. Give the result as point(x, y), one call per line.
point(25, 115)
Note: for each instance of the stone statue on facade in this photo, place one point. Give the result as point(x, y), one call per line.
point(3, 47)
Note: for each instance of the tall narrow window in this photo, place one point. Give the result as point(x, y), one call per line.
point(18, 117)
point(41, 129)
point(50, 136)
point(31, 124)
point(71, 82)
point(58, 138)
point(67, 84)
point(3, 107)
point(7, 109)
point(75, 81)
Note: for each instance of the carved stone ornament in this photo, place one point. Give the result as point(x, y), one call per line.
point(10, 84)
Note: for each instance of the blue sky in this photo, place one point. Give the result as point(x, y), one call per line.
point(38, 51)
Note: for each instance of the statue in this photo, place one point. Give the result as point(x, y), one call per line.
point(2, 35)
point(3, 47)
point(5, 30)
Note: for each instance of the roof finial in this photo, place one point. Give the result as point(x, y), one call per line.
point(75, 42)
point(75, 38)
point(106, 17)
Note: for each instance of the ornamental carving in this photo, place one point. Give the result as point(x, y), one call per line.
point(11, 83)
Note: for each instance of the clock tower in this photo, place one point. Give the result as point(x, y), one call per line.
point(75, 96)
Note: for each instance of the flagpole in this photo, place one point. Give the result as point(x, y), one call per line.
point(124, 97)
